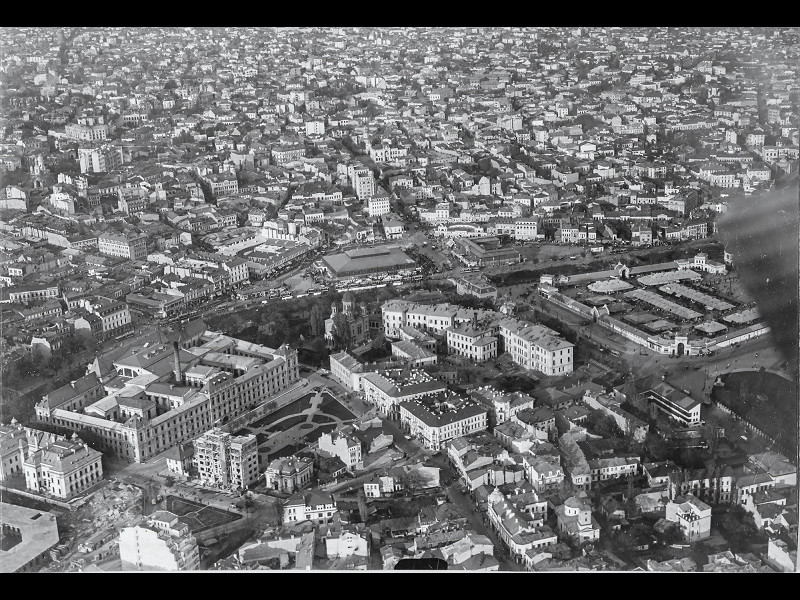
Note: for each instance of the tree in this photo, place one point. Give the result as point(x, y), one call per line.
point(603, 425)
point(342, 334)
point(316, 321)
point(414, 480)
point(740, 528)
point(362, 505)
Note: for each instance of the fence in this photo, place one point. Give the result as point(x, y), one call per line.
point(747, 423)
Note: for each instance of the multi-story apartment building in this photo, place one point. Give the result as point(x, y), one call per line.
point(190, 391)
point(224, 460)
point(347, 448)
point(63, 469)
point(379, 205)
point(316, 506)
point(115, 316)
point(364, 184)
point(435, 426)
point(162, 542)
point(129, 246)
point(100, 160)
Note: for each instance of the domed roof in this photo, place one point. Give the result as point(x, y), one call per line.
point(348, 297)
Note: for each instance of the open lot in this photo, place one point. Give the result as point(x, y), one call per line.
point(767, 400)
point(198, 516)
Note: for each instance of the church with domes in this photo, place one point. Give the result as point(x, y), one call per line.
point(357, 318)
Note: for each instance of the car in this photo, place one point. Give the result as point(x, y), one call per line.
point(408, 437)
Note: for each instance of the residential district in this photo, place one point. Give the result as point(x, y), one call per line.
point(392, 298)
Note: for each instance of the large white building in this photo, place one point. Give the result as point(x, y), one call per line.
point(674, 403)
point(125, 246)
point(379, 205)
point(481, 335)
point(363, 183)
point(161, 543)
point(100, 160)
point(223, 460)
point(536, 347)
point(63, 469)
point(347, 448)
point(435, 426)
point(386, 393)
point(176, 393)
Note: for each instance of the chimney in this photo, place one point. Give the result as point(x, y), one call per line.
point(177, 370)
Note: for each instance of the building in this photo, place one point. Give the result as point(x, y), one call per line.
point(289, 474)
point(185, 392)
point(316, 506)
point(522, 531)
point(347, 370)
point(387, 393)
point(129, 246)
point(363, 183)
point(160, 543)
point(224, 460)
point(87, 130)
point(486, 251)
point(27, 536)
point(435, 426)
point(365, 262)
point(357, 320)
point(472, 341)
point(536, 347)
point(693, 516)
point(347, 448)
point(342, 541)
point(379, 204)
point(13, 450)
point(575, 521)
point(64, 469)
point(713, 486)
point(544, 473)
point(100, 160)
point(674, 403)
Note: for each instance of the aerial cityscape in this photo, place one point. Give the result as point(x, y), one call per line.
point(399, 298)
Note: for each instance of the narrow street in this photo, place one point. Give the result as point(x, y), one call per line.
point(477, 523)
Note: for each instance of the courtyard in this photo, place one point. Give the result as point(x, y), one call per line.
point(290, 429)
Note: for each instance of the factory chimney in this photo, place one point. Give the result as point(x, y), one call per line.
point(177, 370)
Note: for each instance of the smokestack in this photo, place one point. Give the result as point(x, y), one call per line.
point(177, 370)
